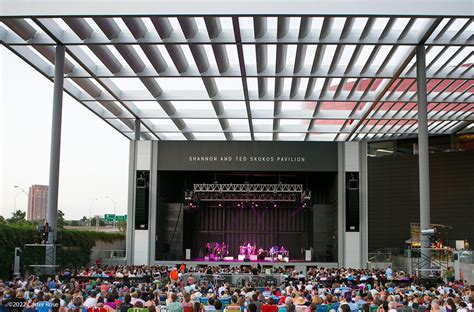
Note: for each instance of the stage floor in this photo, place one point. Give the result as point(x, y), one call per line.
point(299, 265)
point(244, 262)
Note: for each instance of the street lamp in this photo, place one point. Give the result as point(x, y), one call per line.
point(115, 208)
point(21, 191)
point(90, 211)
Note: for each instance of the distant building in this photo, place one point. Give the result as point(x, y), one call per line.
point(37, 203)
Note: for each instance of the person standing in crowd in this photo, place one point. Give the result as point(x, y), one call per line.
point(389, 273)
point(174, 276)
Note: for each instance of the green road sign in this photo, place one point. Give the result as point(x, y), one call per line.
point(109, 217)
point(121, 218)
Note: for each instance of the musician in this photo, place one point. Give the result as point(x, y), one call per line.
point(242, 250)
point(216, 249)
point(224, 249)
point(273, 252)
point(260, 253)
point(283, 252)
point(208, 249)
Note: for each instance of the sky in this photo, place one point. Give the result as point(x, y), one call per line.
point(94, 156)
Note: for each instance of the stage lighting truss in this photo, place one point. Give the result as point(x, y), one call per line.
point(248, 192)
point(248, 188)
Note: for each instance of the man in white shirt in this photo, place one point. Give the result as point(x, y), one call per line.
point(221, 290)
point(91, 301)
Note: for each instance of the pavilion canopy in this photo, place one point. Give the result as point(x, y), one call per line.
point(306, 77)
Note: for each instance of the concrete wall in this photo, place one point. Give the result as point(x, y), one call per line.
point(324, 231)
point(101, 246)
point(467, 270)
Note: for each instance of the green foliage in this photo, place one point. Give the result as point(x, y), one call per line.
point(74, 248)
point(61, 220)
point(2, 220)
point(17, 217)
point(94, 222)
point(122, 226)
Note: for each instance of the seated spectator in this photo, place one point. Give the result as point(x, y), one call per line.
point(124, 306)
point(218, 305)
point(111, 302)
point(173, 305)
point(210, 304)
point(91, 301)
point(234, 305)
point(197, 307)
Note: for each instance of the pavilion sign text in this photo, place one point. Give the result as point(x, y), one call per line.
point(246, 159)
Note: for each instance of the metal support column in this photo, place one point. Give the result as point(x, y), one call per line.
point(423, 156)
point(55, 153)
point(363, 204)
point(131, 201)
point(341, 206)
point(137, 129)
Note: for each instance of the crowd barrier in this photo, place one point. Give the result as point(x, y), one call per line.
point(235, 280)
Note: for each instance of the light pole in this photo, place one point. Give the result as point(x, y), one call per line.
point(115, 208)
point(90, 211)
point(16, 196)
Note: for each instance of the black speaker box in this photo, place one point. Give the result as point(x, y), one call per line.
point(352, 202)
point(142, 200)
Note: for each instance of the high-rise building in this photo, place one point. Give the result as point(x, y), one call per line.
point(37, 203)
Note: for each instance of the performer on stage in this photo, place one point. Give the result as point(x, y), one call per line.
point(224, 250)
point(283, 251)
point(261, 254)
point(216, 251)
point(273, 252)
point(208, 250)
point(248, 249)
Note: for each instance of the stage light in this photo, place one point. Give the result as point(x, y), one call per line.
point(220, 205)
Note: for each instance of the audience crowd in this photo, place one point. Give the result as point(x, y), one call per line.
point(182, 289)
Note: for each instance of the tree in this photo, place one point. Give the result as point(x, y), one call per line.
point(122, 226)
point(17, 217)
point(94, 221)
point(61, 220)
point(2, 220)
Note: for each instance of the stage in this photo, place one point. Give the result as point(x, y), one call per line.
point(299, 265)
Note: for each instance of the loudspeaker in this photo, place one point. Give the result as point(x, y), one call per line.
point(352, 202)
point(142, 199)
point(188, 254)
point(307, 255)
